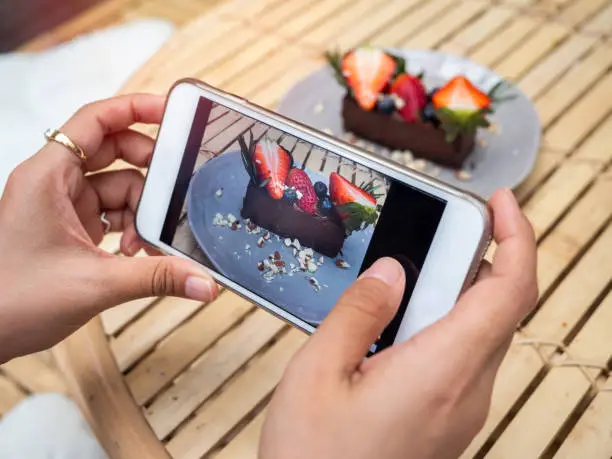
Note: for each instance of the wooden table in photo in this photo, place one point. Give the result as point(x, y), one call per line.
point(164, 377)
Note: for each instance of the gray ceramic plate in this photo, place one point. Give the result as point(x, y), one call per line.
point(228, 251)
point(501, 159)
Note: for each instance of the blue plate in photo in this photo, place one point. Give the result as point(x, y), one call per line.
point(235, 254)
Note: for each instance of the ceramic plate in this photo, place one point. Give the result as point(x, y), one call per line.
point(235, 254)
point(501, 159)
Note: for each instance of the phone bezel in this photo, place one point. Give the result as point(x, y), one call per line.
point(454, 256)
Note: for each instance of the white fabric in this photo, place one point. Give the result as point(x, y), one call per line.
point(48, 426)
point(42, 90)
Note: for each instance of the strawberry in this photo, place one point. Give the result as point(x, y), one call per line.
point(367, 71)
point(272, 163)
point(460, 95)
point(461, 107)
point(355, 205)
point(307, 198)
point(411, 91)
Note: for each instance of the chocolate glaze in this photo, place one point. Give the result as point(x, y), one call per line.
point(422, 139)
point(324, 234)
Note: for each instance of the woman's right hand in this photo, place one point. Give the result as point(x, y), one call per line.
point(424, 398)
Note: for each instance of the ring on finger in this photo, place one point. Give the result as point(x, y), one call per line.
point(106, 224)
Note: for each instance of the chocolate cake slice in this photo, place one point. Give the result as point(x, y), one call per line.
point(422, 139)
point(322, 233)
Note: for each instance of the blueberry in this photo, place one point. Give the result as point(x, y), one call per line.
point(326, 203)
point(429, 115)
point(320, 189)
point(386, 105)
point(431, 93)
point(290, 195)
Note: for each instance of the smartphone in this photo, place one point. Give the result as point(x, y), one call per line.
point(288, 217)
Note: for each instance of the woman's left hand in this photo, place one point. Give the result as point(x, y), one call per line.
point(55, 278)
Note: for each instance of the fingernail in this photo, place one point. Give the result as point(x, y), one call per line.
point(198, 288)
point(386, 269)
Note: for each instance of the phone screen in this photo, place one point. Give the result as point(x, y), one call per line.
point(288, 220)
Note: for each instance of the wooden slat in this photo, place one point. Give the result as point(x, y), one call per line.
point(412, 23)
point(116, 318)
point(601, 23)
point(506, 40)
point(591, 438)
point(581, 287)
point(551, 67)
point(582, 117)
point(245, 444)
point(570, 179)
point(361, 32)
point(552, 322)
point(218, 416)
point(531, 50)
point(546, 162)
point(212, 370)
point(10, 394)
point(138, 338)
point(536, 424)
point(479, 30)
point(323, 33)
point(589, 216)
point(97, 385)
point(310, 17)
point(184, 345)
point(579, 11)
point(450, 23)
point(570, 87)
point(34, 374)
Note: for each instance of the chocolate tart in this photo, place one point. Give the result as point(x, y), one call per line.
point(322, 233)
point(422, 139)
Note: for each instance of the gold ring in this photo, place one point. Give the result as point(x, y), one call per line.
point(56, 136)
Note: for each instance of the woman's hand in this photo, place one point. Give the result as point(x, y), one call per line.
point(424, 398)
point(54, 276)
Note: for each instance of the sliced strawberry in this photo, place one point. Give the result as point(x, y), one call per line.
point(356, 207)
point(306, 196)
point(272, 163)
point(460, 95)
point(413, 94)
point(342, 191)
point(461, 107)
point(367, 71)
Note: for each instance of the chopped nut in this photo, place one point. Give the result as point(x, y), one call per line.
point(279, 263)
point(463, 175)
point(397, 156)
point(340, 263)
point(266, 235)
point(419, 164)
point(260, 266)
point(288, 242)
point(219, 192)
point(234, 226)
point(328, 131)
point(260, 242)
point(296, 244)
point(247, 247)
point(277, 255)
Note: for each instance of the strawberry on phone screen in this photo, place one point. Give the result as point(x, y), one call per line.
point(272, 163)
point(306, 196)
point(355, 205)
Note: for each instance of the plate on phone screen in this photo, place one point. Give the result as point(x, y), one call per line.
point(235, 253)
point(500, 159)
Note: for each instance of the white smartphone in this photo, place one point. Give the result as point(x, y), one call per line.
point(288, 217)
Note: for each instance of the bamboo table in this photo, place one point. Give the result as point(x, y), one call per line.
point(164, 377)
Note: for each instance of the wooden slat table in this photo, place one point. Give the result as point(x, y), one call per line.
point(173, 378)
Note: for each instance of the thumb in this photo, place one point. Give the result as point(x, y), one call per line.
point(359, 317)
point(141, 277)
